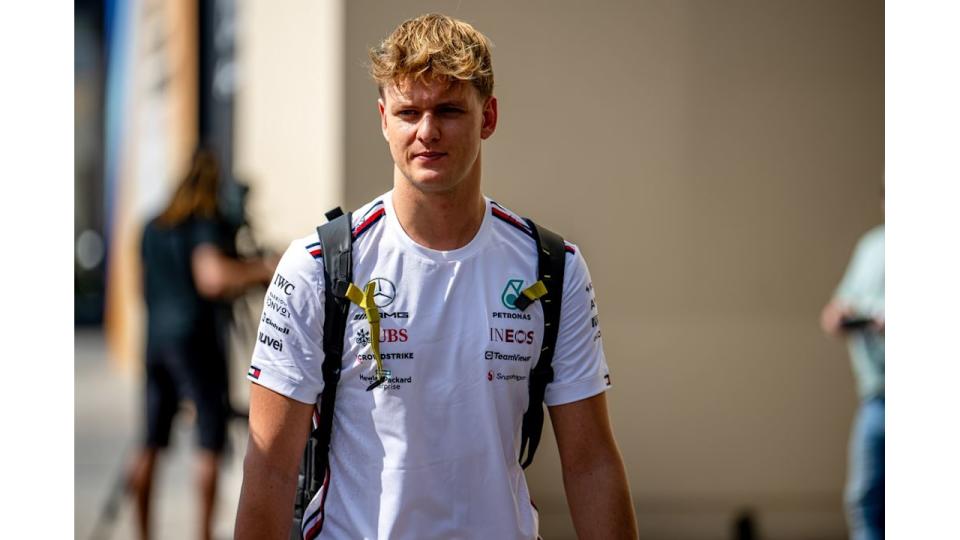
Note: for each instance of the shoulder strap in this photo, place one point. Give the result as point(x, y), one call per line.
point(336, 243)
point(550, 267)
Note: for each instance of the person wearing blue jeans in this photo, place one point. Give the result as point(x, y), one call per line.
point(856, 311)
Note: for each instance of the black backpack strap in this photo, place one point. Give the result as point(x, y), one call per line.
point(551, 260)
point(336, 241)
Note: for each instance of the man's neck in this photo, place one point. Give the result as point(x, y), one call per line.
point(443, 221)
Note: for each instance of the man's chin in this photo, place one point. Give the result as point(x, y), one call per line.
point(431, 183)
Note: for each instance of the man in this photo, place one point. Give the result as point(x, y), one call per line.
point(857, 312)
point(433, 451)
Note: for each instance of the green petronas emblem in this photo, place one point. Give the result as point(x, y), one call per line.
point(511, 292)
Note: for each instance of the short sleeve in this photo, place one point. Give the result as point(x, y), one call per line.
point(288, 354)
point(580, 368)
point(862, 286)
point(204, 231)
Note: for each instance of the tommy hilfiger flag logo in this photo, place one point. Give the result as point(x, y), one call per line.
point(254, 372)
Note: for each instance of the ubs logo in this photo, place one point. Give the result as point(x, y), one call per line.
point(387, 335)
point(384, 291)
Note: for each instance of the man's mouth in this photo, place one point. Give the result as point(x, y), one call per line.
point(429, 156)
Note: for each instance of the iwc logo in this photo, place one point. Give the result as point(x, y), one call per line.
point(511, 292)
point(384, 291)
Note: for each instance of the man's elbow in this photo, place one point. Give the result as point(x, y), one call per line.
point(211, 289)
point(266, 471)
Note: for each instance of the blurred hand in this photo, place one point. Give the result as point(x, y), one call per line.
point(831, 318)
point(272, 260)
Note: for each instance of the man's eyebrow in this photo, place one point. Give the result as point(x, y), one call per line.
point(448, 103)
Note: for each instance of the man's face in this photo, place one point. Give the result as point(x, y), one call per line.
point(434, 129)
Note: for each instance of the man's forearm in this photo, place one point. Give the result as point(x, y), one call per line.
point(265, 510)
point(599, 500)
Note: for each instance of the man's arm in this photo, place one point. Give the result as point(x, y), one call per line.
point(220, 276)
point(278, 434)
point(593, 474)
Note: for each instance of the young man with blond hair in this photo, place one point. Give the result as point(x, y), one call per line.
point(432, 452)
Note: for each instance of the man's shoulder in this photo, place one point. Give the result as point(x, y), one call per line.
point(361, 221)
point(872, 241)
point(364, 218)
point(875, 234)
point(512, 221)
point(304, 253)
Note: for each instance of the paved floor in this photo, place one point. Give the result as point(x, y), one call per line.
point(107, 412)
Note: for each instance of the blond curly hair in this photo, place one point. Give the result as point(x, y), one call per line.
point(433, 46)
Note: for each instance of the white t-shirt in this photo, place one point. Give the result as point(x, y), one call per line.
point(432, 452)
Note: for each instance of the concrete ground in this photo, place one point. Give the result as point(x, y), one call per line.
point(107, 415)
point(106, 425)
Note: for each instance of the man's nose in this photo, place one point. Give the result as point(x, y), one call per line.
point(429, 130)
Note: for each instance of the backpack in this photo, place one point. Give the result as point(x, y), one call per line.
point(336, 242)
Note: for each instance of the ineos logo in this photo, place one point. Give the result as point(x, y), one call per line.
point(384, 291)
point(511, 335)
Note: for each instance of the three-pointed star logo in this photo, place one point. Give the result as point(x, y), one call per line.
point(384, 291)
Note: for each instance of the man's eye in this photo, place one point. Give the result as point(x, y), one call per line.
point(450, 110)
point(406, 112)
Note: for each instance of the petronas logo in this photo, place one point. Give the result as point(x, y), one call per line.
point(511, 292)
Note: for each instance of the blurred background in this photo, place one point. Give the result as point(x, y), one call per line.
point(716, 162)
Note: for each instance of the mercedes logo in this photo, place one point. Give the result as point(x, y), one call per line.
point(384, 291)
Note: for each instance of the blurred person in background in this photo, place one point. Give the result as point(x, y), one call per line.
point(189, 275)
point(856, 312)
point(433, 451)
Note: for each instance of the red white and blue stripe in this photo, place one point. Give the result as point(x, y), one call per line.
point(315, 250)
point(313, 523)
point(373, 214)
point(501, 213)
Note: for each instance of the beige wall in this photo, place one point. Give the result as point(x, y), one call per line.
point(715, 161)
point(289, 109)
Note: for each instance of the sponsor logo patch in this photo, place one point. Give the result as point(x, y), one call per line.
point(494, 355)
point(266, 320)
point(254, 372)
point(511, 335)
point(283, 284)
point(387, 335)
point(522, 315)
point(505, 377)
point(392, 382)
point(384, 291)
point(273, 343)
point(363, 357)
point(361, 316)
point(277, 304)
point(510, 293)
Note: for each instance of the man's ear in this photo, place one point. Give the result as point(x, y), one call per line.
point(381, 106)
point(489, 124)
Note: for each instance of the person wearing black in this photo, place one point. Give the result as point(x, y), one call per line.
point(189, 271)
